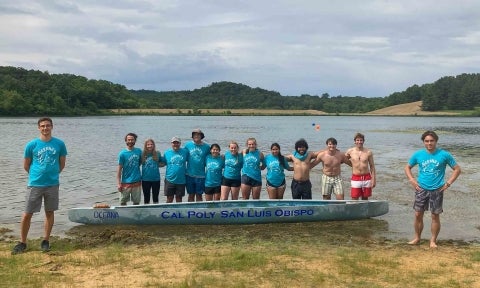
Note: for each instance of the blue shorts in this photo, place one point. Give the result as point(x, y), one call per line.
point(429, 198)
point(250, 181)
point(195, 185)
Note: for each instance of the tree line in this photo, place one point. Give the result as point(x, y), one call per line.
point(30, 93)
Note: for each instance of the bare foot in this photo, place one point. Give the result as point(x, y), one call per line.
point(414, 242)
point(433, 244)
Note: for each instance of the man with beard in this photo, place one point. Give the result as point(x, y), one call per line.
point(301, 158)
point(128, 173)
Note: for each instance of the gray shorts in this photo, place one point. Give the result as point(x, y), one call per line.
point(34, 196)
point(171, 189)
point(426, 198)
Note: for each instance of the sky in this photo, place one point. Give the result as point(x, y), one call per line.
point(369, 48)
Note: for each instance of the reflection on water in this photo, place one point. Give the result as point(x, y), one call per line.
point(94, 142)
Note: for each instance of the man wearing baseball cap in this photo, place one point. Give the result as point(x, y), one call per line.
point(175, 160)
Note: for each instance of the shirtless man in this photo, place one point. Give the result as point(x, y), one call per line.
point(363, 169)
point(301, 158)
point(331, 158)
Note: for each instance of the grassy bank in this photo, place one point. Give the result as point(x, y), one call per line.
point(290, 255)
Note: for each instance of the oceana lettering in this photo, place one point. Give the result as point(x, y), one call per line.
point(105, 214)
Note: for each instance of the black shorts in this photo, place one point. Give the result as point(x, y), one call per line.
point(250, 181)
point(273, 186)
point(231, 182)
point(172, 189)
point(301, 189)
point(212, 190)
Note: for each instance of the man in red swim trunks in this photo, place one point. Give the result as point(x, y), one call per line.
point(363, 169)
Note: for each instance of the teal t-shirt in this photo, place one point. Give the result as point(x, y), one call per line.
point(431, 167)
point(275, 171)
point(232, 165)
point(130, 160)
point(251, 165)
point(45, 165)
point(197, 153)
point(151, 168)
point(213, 167)
point(176, 165)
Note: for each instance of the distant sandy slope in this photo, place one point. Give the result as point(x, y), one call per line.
point(413, 108)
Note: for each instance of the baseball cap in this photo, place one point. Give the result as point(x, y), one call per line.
point(175, 139)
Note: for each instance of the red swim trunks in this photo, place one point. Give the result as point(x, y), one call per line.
point(361, 186)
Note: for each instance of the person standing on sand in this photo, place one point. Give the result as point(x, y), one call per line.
point(301, 186)
point(129, 177)
point(332, 159)
point(430, 183)
point(44, 160)
point(363, 169)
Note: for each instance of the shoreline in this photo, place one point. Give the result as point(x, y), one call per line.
point(260, 112)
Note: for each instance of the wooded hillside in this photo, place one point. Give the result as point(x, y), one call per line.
point(29, 93)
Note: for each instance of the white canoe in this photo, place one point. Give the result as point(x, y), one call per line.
point(231, 212)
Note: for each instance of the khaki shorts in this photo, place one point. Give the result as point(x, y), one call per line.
point(332, 184)
point(131, 192)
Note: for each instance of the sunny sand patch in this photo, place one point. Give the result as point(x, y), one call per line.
point(408, 109)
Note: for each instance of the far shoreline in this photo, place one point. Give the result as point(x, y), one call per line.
point(260, 112)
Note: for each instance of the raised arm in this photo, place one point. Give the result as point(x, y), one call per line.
point(317, 159)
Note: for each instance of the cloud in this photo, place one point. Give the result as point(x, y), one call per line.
point(350, 48)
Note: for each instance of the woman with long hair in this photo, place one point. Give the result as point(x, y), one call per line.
point(276, 164)
point(253, 163)
point(231, 180)
point(151, 162)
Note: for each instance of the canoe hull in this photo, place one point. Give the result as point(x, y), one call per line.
point(230, 212)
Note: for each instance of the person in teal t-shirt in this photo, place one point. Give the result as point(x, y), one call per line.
point(129, 177)
point(430, 184)
point(44, 159)
point(213, 177)
point(151, 163)
point(276, 164)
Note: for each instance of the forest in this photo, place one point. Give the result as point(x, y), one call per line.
point(33, 93)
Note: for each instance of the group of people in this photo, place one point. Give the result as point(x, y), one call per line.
point(201, 169)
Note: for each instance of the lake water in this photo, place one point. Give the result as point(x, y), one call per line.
point(94, 142)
